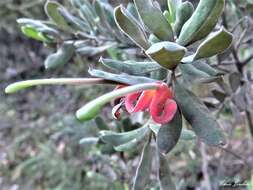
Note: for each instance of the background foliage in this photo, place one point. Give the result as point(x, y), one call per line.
point(40, 137)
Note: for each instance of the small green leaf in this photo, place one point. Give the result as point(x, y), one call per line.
point(164, 174)
point(130, 27)
point(198, 115)
point(31, 32)
point(215, 43)
point(130, 67)
point(203, 66)
point(144, 168)
point(187, 135)
point(61, 57)
point(120, 78)
point(52, 11)
point(92, 51)
point(167, 54)
point(154, 20)
point(184, 12)
point(88, 141)
point(201, 22)
point(91, 109)
point(168, 135)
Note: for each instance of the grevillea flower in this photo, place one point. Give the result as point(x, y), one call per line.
point(159, 103)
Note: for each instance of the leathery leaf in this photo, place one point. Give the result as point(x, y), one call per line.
point(144, 168)
point(198, 115)
point(129, 26)
point(167, 54)
point(201, 22)
point(169, 134)
point(154, 20)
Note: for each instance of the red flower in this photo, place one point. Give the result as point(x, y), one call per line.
point(159, 102)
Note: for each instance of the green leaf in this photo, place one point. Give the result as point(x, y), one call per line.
point(52, 11)
point(88, 141)
point(120, 78)
point(198, 115)
point(184, 12)
point(193, 74)
point(117, 139)
point(31, 32)
point(92, 51)
point(168, 135)
point(167, 54)
point(154, 20)
point(130, 67)
point(61, 57)
point(203, 66)
point(91, 109)
point(173, 5)
point(164, 174)
point(202, 21)
point(215, 43)
point(144, 168)
point(130, 27)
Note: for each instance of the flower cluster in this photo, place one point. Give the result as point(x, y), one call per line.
point(158, 102)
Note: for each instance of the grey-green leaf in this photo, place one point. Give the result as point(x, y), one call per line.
point(235, 81)
point(184, 12)
point(169, 134)
point(121, 78)
point(197, 114)
point(167, 54)
point(215, 43)
point(61, 57)
point(173, 6)
point(117, 139)
point(202, 21)
point(130, 27)
point(52, 11)
point(154, 20)
point(130, 67)
point(164, 174)
point(144, 168)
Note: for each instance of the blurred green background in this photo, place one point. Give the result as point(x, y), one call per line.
point(39, 135)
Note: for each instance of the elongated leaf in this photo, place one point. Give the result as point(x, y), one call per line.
point(130, 67)
point(216, 43)
point(167, 54)
point(203, 66)
point(154, 20)
point(164, 174)
point(201, 22)
point(130, 27)
point(89, 141)
point(133, 144)
point(91, 109)
point(184, 12)
point(144, 168)
point(173, 6)
point(52, 11)
point(61, 57)
point(198, 115)
point(91, 51)
point(169, 134)
point(120, 78)
point(117, 139)
point(31, 32)
point(193, 74)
